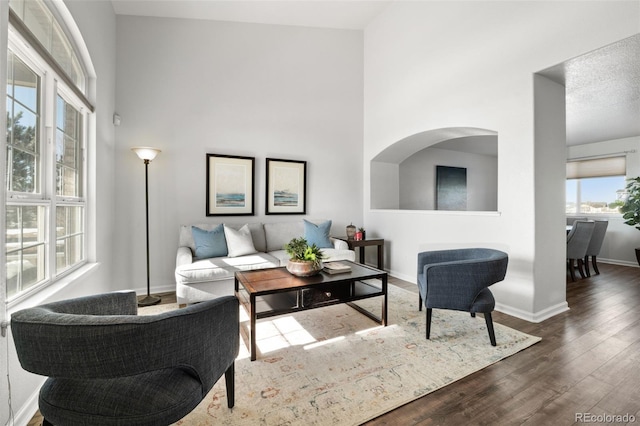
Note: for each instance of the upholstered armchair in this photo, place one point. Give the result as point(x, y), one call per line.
point(458, 280)
point(578, 241)
point(108, 366)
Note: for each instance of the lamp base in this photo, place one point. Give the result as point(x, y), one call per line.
point(148, 301)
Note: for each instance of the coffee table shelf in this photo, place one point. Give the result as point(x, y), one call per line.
point(270, 305)
point(269, 292)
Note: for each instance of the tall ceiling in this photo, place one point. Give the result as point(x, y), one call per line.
point(602, 86)
point(338, 14)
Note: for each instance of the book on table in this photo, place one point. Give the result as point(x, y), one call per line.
point(336, 267)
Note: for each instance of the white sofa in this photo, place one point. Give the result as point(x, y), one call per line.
point(203, 279)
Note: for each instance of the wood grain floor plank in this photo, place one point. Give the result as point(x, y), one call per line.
point(587, 361)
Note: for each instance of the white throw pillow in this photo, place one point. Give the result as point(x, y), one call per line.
point(239, 242)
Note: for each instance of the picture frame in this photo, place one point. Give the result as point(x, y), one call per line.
point(451, 188)
point(230, 185)
point(286, 186)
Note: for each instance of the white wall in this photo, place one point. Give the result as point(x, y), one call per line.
point(620, 240)
point(431, 65)
point(418, 179)
point(4, 342)
point(550, 129)
point(95, 21)
point(194, 87)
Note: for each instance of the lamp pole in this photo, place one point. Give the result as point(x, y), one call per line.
point(147, 154)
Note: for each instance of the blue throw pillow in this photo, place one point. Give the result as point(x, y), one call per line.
point(209, 243)
point(318, 234)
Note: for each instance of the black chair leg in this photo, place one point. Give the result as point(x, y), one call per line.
point(419, 302)
point(595, 265)
point(580, 268)
point(570, 267)
point(473, 314)
point(586, 266)
point(492, 334)
point(229, 379)
point(428, 322)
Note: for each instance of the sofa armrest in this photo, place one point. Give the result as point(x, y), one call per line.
point(184, 256)
point(339, 244)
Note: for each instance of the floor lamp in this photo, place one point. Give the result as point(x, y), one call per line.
point(147, 154)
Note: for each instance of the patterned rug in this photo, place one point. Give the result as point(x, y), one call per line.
point(334, 366)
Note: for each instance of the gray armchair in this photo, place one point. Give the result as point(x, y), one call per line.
point(459, 280)
point(108, 366)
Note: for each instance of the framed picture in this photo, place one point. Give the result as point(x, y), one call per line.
point(451, 188)
point(286, 186)
point(230, 184)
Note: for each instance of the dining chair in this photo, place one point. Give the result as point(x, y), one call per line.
point(577, 244)
point(571, 219)
point(595, 244)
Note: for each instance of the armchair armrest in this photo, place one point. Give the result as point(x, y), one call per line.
point(339, 244)
point(184, 256)
point(107, 346)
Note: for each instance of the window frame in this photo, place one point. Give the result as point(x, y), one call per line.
point(51, 86)
point(578, 198)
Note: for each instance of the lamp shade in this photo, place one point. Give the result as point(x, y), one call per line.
point(146, 152)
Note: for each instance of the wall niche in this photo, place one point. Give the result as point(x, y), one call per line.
point(403, 176)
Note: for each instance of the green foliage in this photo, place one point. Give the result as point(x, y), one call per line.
point(630, 209)
point(299, 249)
point(21, 154)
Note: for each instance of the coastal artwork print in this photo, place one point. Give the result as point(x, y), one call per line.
point(230, 185)
point(286, 186)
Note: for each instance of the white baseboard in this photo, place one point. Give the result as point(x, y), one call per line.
point(140, 291)
point(403, 277)
point(619, 262)
point(535, 317)
point(28, 410)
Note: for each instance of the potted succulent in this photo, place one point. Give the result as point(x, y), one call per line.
point(630, 208)
point(304, 260)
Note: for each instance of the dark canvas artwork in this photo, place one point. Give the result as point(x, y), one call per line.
point(451, 188)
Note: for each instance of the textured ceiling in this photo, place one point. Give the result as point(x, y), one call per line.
point(602, 87)
point(602, 92)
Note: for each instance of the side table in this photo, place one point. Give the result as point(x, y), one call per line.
point(361, 244)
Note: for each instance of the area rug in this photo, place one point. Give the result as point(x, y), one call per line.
point(334, 366)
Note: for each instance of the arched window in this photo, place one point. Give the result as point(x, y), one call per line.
point(47, 113)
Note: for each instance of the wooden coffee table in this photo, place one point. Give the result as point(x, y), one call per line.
point(274, 291)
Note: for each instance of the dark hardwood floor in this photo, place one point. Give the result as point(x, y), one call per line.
point(587, 362)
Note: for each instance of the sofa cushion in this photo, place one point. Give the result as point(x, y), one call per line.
point(222, 268)
point(280, 233)
point(209, 243)
point(318, 234)
point(257, 235)
point(331, 255)
point(239, 242)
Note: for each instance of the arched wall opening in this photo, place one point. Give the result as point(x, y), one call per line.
point(452, 168)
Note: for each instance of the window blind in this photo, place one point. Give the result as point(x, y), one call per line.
point(598, 167)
